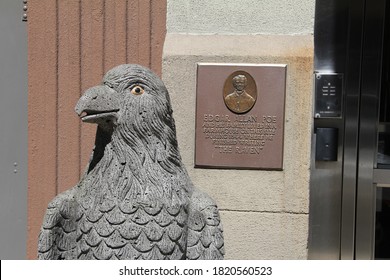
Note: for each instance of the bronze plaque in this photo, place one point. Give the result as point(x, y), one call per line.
point(240, 116)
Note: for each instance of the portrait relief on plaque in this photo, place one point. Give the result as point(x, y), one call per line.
point(240, 92)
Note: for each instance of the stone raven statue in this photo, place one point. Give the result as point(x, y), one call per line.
point(135, 199)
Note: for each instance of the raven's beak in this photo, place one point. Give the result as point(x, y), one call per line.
point(99, 105)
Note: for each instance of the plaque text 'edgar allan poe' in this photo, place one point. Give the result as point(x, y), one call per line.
point(240, 116)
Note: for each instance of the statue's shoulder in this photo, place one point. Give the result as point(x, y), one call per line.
point(63, 197)
point(62, 206)
point(200, 200)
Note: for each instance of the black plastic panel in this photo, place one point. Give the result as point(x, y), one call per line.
point(326, 144)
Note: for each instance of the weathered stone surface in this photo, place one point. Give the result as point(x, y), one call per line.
point(135, 200)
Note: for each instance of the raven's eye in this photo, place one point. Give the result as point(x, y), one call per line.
point(137, 90)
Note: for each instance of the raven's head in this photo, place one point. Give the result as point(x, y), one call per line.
point(129, 93)
point(132, 105)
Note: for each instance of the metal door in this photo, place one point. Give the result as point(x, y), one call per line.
point(350, 201)
point(13, 131)
point(373, 196)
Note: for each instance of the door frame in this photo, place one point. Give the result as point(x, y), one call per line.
point(342, 192)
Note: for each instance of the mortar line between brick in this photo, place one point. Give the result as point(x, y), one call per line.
point(264, 212)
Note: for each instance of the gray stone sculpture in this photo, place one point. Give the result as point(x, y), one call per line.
point(135, 200)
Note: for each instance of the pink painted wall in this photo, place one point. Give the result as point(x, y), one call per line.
point(71, 44)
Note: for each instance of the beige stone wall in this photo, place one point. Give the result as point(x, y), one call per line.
point(264, 213)
point(240, 16)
